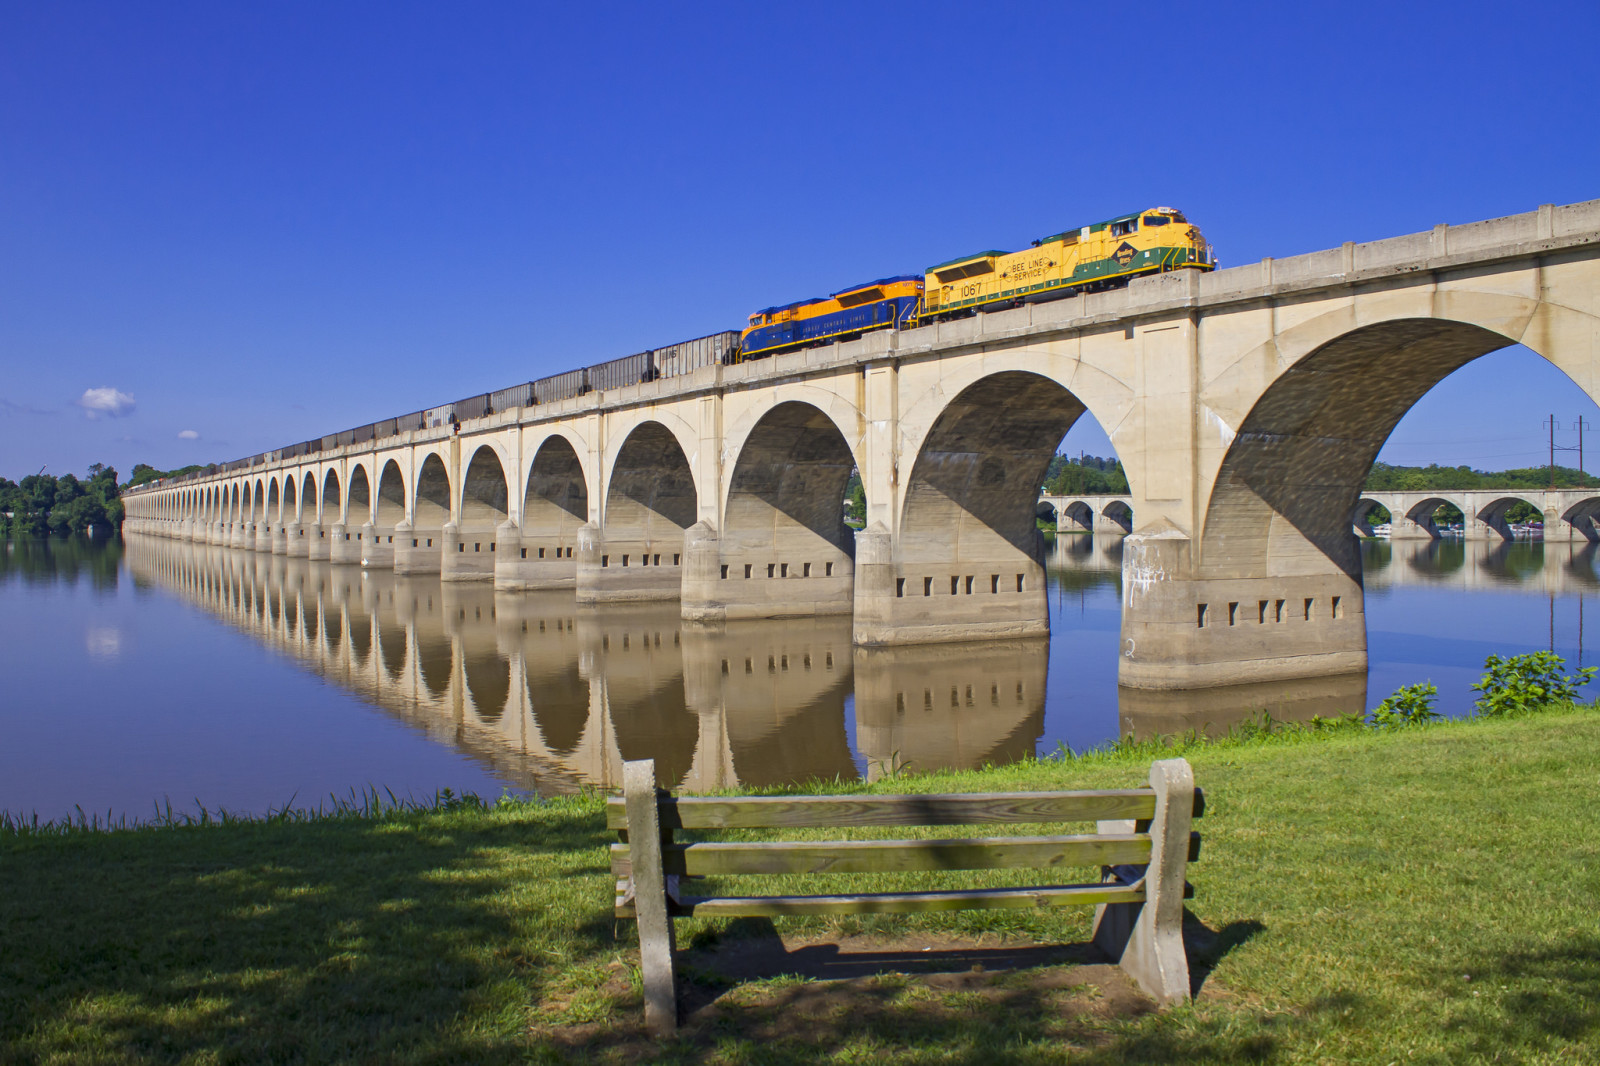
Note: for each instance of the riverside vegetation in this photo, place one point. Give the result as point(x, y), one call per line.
point(1392, 888)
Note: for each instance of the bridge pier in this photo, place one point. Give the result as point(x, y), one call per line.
point(904, 594)
point(631, 566)
point(279, 540)
point(295, 544)
point(318, 547)
point(377, 547)
point(794, 576)
point(534, 560)
point(1182, 631)
point(468, 555)
point(417, 551)
point(342, 544)
point(262, 540)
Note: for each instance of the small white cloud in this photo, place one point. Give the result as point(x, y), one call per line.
point(188, 434)
point(105, 401)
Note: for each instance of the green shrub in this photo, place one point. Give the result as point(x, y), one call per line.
point(1520, 683)
point(1410, 705)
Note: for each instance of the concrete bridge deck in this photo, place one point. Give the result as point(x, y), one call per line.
point(1246, 404)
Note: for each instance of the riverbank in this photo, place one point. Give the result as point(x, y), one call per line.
point(1424, 894)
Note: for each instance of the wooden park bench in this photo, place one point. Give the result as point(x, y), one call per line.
point(1143, 845)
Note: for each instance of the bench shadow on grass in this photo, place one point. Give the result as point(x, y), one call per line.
point(319, 941)
point(752, 949)
point(935, 992)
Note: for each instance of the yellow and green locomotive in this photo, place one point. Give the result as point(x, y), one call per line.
point(1088, 259)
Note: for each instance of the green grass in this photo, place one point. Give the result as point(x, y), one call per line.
point(1428, 895)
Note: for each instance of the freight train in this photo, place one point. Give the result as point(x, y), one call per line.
point(1087, 259)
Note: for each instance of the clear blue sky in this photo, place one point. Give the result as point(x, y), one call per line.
point(252, 224)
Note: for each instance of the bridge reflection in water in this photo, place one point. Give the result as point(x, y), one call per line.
point(553, 696)
point(1557, 571)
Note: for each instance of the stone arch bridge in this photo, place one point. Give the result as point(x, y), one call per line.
point(1247, 406)
point(1567, 514)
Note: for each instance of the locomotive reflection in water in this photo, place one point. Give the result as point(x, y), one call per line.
point(554, 697)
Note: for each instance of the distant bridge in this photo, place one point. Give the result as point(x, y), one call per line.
point(1247, 406)
point(1567, 514)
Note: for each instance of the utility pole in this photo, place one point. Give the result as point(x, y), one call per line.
point(1551, 425)
point(1581, 424)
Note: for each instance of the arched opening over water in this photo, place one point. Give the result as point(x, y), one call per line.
point(291, 506)
point(484, 500)
point(785, 513)
point(971, 552)
point(273, 502)
point(556, 503)
point(308, 498)
point(358, 507)
point(391, 496)
point(432, 509)
point(650, 502)
point(330, 513)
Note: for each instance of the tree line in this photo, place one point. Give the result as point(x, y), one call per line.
point(42, 504)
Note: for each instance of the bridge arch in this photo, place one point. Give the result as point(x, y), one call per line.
point(1294, 468)
point(651, 496)
point(391, 502)
point(1119, 513)
point(358, 497)
point(274, 502)
point(485, 490)
point(555, 502)
point(1584, 516)
point(291, 504)
point(430, 507)
point(845, 417)
point(980, 463)
point(1081, 387)
point(328, 512)
point(786, 485)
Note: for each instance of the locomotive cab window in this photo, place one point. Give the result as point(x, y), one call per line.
point(1156, 220)
point(1124, 227)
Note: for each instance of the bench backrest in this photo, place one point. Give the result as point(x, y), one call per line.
point(1128, 843)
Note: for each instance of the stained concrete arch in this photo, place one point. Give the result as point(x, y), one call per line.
point(471, 547)
point(969, 555)
point(650, 501)
point(1106, 396)
point(555, 506)
point(330, 511)
point(358, 497)
point(391, 503)
point(783, 548)
point(420, 549)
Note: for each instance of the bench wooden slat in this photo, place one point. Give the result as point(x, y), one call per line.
point(889, 856)
point(840, 812)
point(903, 902)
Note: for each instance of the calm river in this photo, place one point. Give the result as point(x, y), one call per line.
point(145, 672)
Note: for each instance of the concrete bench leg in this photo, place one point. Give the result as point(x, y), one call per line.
point(1146, 938)
point(650, 897)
